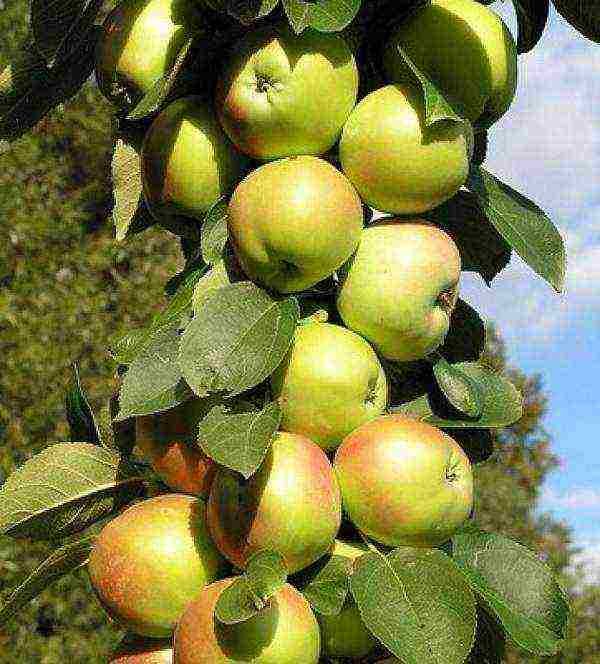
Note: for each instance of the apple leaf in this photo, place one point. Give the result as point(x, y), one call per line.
point(298, 13)
point(217, 277)
point(264, 576)
point(417, 603)
point(64, 489)
point(213, 234)
point(246, 11)
point(64, 560)
point(522, 224)
point(82, 423)
point(502, 404)
point(325, 584)
point(490, 640)
point(478, 444)
point(583, 15)
point(480, 146)
point(237, 339)
point(532, 16)
point(465, 340)
point(461, 390)
point(239, 438)
point(332, 15)
point(516, 587)
point(116, 436)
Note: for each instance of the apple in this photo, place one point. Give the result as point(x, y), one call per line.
point(400, 287)
point(291, 505)
point(283, 94)
point(397, 164)
point(293, 222)
point(134, 649)
point(153, 559)
point(330, 382)
point(168, 441)
point(466, 50)
point(139, 44)
point(345, 635)
point(284, 632)
point(404, 482)
point(187, 161)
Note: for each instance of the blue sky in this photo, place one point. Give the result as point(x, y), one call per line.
point(548, 147)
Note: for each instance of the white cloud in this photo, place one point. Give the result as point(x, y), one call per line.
point(586, 565)
point(575, 498)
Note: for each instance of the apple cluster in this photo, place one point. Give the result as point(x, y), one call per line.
point(300, 155)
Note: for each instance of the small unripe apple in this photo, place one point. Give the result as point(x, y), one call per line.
point(140, 650)
point(284, 632)
point(291, 505)
point(187, 161)
point(283, 94)
point(139, 44)
point(330, 382)
point(168, 441)
point(397, 163)
point(152, 560)
point(404, 482)
point(293, 222)
point(400, 287)
point(466, 50)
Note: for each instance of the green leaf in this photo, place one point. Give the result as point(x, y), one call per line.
point(298, 13)
point(516, 587)
point(326, 584)
point(237, 339)
point(217, 277)
point(502, 404)
point(583, 15)
point(63, 490)
point(417, 603)
point(213, 234)
point(461, 390)
point(60, 562)
point(478, 444)
point(333, 15)
point(82, 423)
point(522, 224)
point(465, 340)
point(490, 641)
point(532, 16)
point(239, 440)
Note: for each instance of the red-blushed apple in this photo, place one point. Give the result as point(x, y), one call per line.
point(142, 650)
point(291, 505)
point(284, 632)
point(466, 50)
point(400, 287)
point(330, 382)
point(153, 559)
point(283, 94)
point(187, 161)
point(168, 441)
point(397, 163)
point(404, 482)
point(293, 222)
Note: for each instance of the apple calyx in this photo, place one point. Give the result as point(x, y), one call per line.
point(446, 300)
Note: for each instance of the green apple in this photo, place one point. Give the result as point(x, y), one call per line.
point(330, 382)
point(396, 163)
point(291, 505)
point(153, 559)
point(283, 94)
point(293, 222)
point(466, 50)
point(187, 161)
point(404, 482)
point(139, 43)
point(400, 287)
point(284, 632)
point(134, 649)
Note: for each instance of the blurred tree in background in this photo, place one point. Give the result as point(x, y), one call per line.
point(67, 288)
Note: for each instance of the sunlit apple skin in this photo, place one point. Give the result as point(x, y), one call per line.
point(283, 94)
point(345, 635)
point(152, 560)
point(168, 441)
point(330, 383)
point(404, 482)
point(187, 161)
point(139, 44)
point(395, 162)
point(466, 50)
point(291, 504)
point(293, 222)
point(285, 632)
point(400, 287)
point(140, 650)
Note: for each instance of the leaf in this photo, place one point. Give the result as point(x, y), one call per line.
point(478, 444)
point(63, 490)
point(325, 584)
point(480, 146)
point(583, 15)
point(465, 340)
point(522, 224)
point(332, 15)
point(416, 602)
point(264, 576)
point(516, 587)
point(248, 11)
point(502, 404)
point(213, 234)
point(116, 436)
point(237, 339)
point(217, 277)
point(490, 641)
point(298, 13)
point(82, 423)
point(532, 16)
point(460, 389)
point(60, 562)
point(239, 440)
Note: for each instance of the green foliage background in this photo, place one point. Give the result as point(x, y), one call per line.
point(67, 288)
